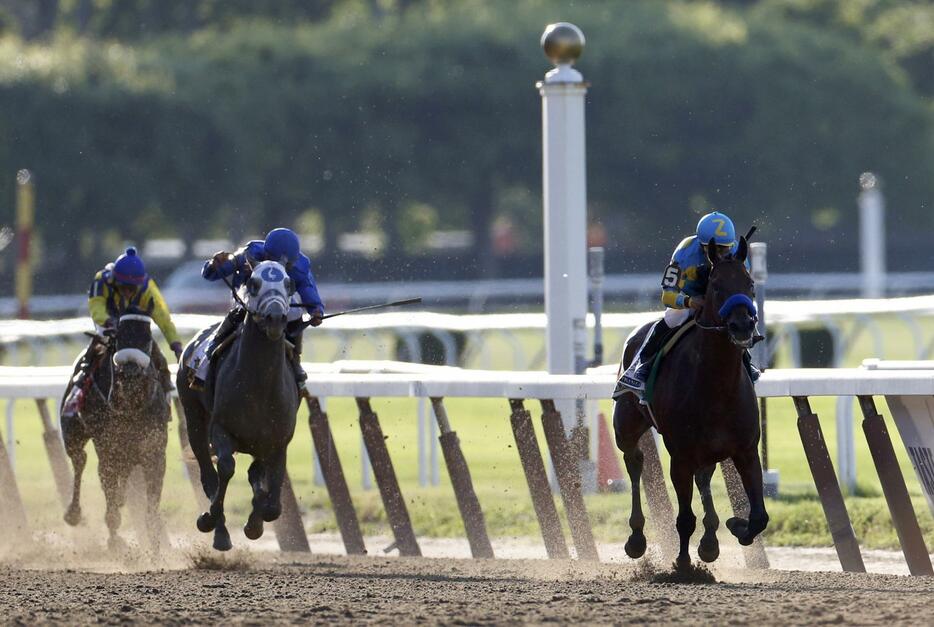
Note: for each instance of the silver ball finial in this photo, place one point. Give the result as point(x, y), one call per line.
point(868, 180)
point(563, 43)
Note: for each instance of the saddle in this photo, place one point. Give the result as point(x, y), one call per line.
point(670, 343)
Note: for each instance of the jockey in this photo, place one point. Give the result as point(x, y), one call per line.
point(119, 287)
point(684, 285)
point(280, 245)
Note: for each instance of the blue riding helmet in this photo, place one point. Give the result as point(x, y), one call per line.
point(716, 226)
point(129, 268)
point(282, 245)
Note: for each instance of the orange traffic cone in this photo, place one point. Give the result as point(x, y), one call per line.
point(609, 473)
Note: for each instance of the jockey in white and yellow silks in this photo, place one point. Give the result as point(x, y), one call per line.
point(684, 285)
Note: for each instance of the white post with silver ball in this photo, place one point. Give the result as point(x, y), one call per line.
point(564, 186)
point(565, 206)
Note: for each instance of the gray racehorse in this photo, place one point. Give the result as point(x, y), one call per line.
point(125, 415)
point(248, 405)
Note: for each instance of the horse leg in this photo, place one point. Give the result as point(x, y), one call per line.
point(214, 519)
point(75, 441)
point(254, 524)
point(629, 427)
point(275, 475)
point(682, 477)
point(709, 549)
point(154, 475)
point(197, 422)
point(750, 471)
point(112, 486)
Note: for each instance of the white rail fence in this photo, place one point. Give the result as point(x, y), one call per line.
point(908, 392)
point(463, 338)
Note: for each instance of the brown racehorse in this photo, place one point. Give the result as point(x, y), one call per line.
point(705, 407)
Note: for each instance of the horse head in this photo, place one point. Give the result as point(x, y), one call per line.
point(133, 344)
point(729, 302)
point(267, 295)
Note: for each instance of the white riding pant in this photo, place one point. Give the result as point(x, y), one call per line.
point(674, 318)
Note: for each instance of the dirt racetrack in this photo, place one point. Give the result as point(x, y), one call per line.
point(264, 588)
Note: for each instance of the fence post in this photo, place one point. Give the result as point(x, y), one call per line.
point(458, 471)
point(567, 471)
point(334, 478)
point(656, 494)
point(12, 501)
point(894, 489)
point(396, 510)
point(825, 480)
point(290, 530)
point(55, 449)
point(535, 476)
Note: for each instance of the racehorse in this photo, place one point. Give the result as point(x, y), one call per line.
point(125, 414)
point(704, 406)
point(248, 405)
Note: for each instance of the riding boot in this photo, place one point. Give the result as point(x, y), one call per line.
point(301, 376)
point(202, 368)
point(74, 398)
point(162, 367)
point(754, 372)
point(636, 376)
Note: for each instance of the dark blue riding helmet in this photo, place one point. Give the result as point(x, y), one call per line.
point(129, 268)
point(282, 245)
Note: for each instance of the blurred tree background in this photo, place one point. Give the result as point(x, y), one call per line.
point(222, 118)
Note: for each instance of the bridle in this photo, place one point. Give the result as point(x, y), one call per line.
point(731, 303)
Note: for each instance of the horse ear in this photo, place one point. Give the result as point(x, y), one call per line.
point(742, 250)
point(711, 251)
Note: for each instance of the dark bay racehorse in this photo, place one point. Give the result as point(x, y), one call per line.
point(125, 414)
point(705, 407)
point(248, 405)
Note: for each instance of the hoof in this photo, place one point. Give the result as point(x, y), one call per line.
point(222, 539)
point(635, 546)
point(709, 551)
point(206, 523)
point(253, 529)
point(683, 562)
point(737, 527)
point(73, 515)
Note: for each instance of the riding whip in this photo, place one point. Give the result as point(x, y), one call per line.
point(408, 301)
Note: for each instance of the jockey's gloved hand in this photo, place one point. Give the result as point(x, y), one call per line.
point(110, 327)
point(696, 303)
point(219, 259)
point(317, 317)
point(177, 349)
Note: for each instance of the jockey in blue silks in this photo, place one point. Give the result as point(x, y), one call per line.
point(280, 245)
point(684, 285)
